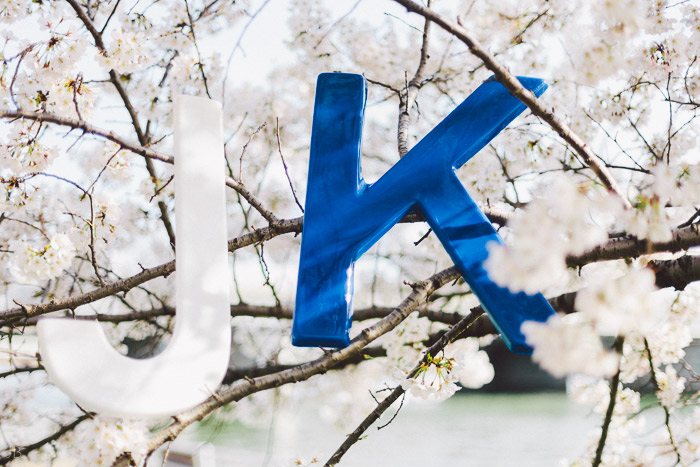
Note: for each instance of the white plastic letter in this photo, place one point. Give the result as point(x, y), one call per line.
point(78, 357)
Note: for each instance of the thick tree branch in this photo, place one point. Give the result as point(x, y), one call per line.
point(419, 295)
point(12, 316)
point(675, 273)
point(514, 86)
point(630, 247)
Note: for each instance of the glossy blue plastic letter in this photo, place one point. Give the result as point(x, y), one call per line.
point(344, 216)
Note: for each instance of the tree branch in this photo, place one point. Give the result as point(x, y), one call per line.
point(258, 311)
point(196, 47)
point(676, 273)
point(235, 374)
point(497, 216)
point(408, 98)
point(514, 86)
point(141, 150)
point(17, 371)
point(629, 247)
point(143, 139)
point(86, 128)
point(17, 451)
point(11, 316)
point(614, 384)
point(419, 295)
point(280, 227)
point(373, 416)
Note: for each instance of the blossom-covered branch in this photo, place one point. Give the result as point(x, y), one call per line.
point(453, 333)
point(11, 316)
point(421, 291)
point(86, 127)
point(18, 451)
point(513, 85)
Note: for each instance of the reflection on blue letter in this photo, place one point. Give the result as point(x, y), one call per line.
point(345, 216)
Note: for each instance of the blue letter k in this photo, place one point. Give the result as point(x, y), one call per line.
point(345, 216)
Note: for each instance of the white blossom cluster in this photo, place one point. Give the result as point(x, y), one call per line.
point(546, 232)
point(461, 362)
point(101, 441)
point(434, 380)
point(23, 152)
point(38, 263)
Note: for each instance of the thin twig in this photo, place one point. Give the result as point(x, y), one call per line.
point(425, 235)
point(17, 451)
point(17, 371)
point(245, 147)
point(104, 168)
point(286, 170)
point(266, 273)
point(114, 10)
point(393, 417)
point(21, 56)
point(77, 83)
point(335, 23)
point(236, 47)
point(91, 245)
point(196, 47)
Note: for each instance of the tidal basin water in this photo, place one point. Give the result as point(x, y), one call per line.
point(467, 430)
